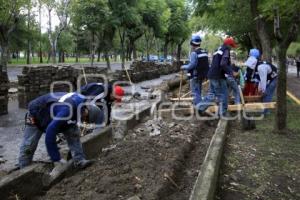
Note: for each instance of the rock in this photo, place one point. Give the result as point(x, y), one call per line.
point(13, 90)
point(134, 198)
point(138, 186)
point(154, 132)
point(109, 148)
point(2, 160)
point(172, 124)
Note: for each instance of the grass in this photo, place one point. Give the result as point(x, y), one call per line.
point(260, 164)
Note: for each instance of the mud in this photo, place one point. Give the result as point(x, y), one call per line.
point(157, 160)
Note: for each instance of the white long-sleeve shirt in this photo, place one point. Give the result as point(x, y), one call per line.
point(263, 71)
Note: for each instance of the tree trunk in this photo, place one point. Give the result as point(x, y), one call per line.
point(63, 57)
point(178, 52)
point(4, 57)
point(98, 56)
point(53, 52)
point(49, 56)
point(134, 52)
point(40, 27)
point(261, 29)
point(93, 49)
point(281, 111)
point(166, 48)
point(28, 53)
point(76, 52)
point(77, 56)
point(179, 48)
point(122, 39)
point(59, 57)
point(107, 60)
point(254, 41)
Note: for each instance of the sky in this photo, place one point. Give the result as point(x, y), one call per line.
point(45, 17)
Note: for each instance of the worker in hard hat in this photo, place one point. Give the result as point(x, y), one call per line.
point(251, 83)
point(105, 94)
point(219, 70)
point(197, 68)
point(55, 113)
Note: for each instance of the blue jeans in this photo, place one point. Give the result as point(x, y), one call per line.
point(32, 135)
point(233, 86)
point(196, 87)
point(268, 95)
point(217, 91)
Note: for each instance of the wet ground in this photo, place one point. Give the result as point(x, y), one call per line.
point(11, 133)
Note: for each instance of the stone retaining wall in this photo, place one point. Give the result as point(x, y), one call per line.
point(4, 85)
point(36, 81)
point(141, 71)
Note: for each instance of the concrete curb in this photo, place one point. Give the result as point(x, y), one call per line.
point(13, 184)
point(205, 185)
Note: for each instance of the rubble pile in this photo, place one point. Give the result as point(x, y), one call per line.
point(157, 126)
point(37, 80)
point(141, 71)
point(4, 85)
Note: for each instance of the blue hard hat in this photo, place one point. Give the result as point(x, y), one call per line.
point(255, 53)
point(196, 40)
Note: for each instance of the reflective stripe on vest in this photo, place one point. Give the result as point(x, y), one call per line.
point(63, 98)
point(99, 96)
point(220, 52)
point(202, 55)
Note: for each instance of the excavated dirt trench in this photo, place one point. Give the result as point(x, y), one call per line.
point(159, 159)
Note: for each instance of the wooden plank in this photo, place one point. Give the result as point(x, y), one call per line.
point(246, 107)
point(180, 86)
point(256, 98)
point(241, 95)
point(246, 98)
point(293, 97)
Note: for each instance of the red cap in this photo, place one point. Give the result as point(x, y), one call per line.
point(118, 93)
point(229, 41)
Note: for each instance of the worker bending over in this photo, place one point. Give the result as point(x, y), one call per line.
point(55, 113)
point(266, 74)
point(104, 95)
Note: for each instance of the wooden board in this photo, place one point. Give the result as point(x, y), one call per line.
point(247, 107)
point(246, 98)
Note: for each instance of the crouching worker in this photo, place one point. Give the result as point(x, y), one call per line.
point(197, 68)
point(267, 75)
point(105, 94)
point(55, 113)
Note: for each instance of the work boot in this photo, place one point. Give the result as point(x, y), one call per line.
point(59, 167)
point(82, 164)
point(204, 113)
